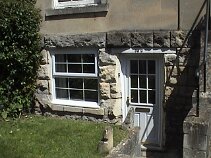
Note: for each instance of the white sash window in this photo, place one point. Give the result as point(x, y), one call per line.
point(59, 4)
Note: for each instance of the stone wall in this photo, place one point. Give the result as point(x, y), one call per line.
point(180, 80)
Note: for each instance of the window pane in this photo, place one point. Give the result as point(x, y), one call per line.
point(91, 96)
point(143, 96)
point(89, 68)
point(61, 82)
point(142, 66)
point(91, 84)
point(61, 68)
point(76, 94)
point(74, 58)
point(88, 58)
point(142, 81)
point(151, 97)
point(60, 57)
point(134, 96)
point(61, 93)
point(134, 66)
point(151, 67)
point(74, 68)
point(134, 81)
point(151, 82)
point(76, 83)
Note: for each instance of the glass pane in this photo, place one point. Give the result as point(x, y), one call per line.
point(76, 83)
point(61, 68)
point(76, 94)
point(91, 84)
point(74, 68)
point(134, 66)
point(60, 57)
point(134, 81)
point(74, 58)
point(151, 82)
point(61, 82)
point(91, 96)
point(134, 96)
point(61, 93)
point(151, 67)
point(89, 68)
point(143, 96)
point(88, 58)
point(142, 81)
point(142, 67)
point(151, 97)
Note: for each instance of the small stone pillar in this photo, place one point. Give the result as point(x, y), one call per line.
point(106, 143)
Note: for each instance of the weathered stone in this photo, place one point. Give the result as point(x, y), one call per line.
point(83, 40)
point(170, 59)
point(118, 39)
point(161, 39)
point(179, 39)
point(107, 73)
point(55, 107)
point(106, 59)
point(104, 90)
point(190, 153)
point(45, 57)
point(168, 90)
point(43, 72)
point(115, 91)
point(142, 39)
point(42, 87)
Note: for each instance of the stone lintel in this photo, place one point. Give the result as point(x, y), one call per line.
point(75, 41)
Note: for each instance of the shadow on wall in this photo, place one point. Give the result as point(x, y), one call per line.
point(180, 84)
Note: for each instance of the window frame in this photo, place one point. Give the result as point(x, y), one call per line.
point(77, 103)
point(81, 3)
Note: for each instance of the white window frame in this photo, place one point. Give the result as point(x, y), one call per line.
point(59, 74)
point(71, 3)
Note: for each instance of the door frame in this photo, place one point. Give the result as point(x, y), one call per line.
point(159, 57)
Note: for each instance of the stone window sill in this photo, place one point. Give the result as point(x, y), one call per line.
point(77, 10)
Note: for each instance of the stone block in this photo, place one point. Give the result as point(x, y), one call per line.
point(118, 39)
point(107, 59)
point(104, 90)
point(45, 57)
point(73, 109)
point(170, 59)
point(81, 40)
point(43, 72)
point(179, 39)
point(57, 107)
point(189, 153)
point(161, 39)
point(99, 111)
point(142, 39)
point(42, 87)
point(115, 91)
point(107, 73)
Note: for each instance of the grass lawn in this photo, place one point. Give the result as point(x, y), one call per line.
point(45, 137)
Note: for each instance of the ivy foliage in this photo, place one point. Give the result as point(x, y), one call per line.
point(19, 55)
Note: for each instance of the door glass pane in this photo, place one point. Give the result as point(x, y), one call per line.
point(61, 82)
point(143, 96)
point(88, 58)
point(61, 93)
point(61, 68)
point(151, 82)
point(76, 83)
point(142, 81)
point(88, 68)
point(134, 96)
point(151, 98)
point(76, 94)
point(60, 57)
point(134, 81)
point(151, 67)
point(142, 67)
point(91, 84)
point(75, 68)
point(134, 66)
point(74, 58)
point(91, 96)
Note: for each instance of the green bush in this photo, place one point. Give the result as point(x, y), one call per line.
point(19, 55)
